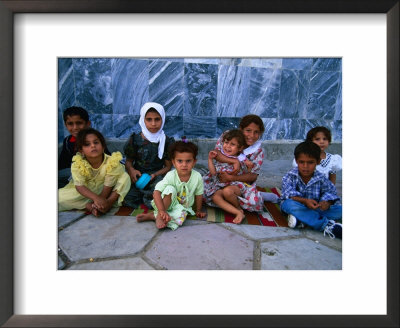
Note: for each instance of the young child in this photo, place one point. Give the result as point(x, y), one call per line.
point(147, 152)
point(330, 163)
point(99, 181)
point(308, 196)
point(175, 195)
point(232, 146)
point(75, 120)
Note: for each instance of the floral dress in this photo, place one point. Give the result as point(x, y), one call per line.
point(111, 173)
point(250, 198)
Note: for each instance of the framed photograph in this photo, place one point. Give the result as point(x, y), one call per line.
point(30, 297)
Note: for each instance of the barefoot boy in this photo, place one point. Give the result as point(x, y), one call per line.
point(308, 196)
point(175, 195)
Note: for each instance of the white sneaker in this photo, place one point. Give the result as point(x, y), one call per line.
point(292, 221)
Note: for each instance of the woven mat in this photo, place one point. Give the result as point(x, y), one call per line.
point(270, 216)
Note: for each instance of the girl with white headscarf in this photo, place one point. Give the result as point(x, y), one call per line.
point(147, 152)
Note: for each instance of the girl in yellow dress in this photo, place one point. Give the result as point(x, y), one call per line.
point(99, 181)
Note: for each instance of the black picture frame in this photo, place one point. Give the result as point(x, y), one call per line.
point(10, 7)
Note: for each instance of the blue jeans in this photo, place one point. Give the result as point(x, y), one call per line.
point(316, 219)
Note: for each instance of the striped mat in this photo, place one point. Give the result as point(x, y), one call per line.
point(270, 216)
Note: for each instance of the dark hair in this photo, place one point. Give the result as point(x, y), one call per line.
point(183, 147)
point(308, 148)
point(152, 110)
point(82, 134)
point(251, 118)
point(237, 134)
point(74, 110)
point(313, 132)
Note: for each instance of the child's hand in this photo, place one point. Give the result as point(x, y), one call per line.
point(212, 154)
point(200, 214)
point(134, 174)
point(249, 164)
point(163, 215)
point(225, 177)
point(236, 167)
point(100, 203)
point(311, 203)
point(324, 205)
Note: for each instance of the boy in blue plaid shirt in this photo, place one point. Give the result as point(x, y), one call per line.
point(308, 196)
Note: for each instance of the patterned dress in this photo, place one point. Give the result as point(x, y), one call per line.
point(250, 198)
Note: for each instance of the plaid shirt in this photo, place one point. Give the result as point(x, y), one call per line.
point(318, 188)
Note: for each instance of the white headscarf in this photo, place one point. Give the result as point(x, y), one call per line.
point(159, 136)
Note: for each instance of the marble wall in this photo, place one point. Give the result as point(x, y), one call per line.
point(203, 97)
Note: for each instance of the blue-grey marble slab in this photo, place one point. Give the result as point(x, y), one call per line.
point(337, 130)
point(327, 64)
point(66, 98)
point(174, 127)
point(93, 87)
point(166, 85)
point(130, 85)
point(200, 90)
point(103, 123)
point(264, 92)
point(64, 65)
point(293, 93)
point(200, 126)
point(226, 123)
point(214, 61)
point(125, 125)
point(324, 88)
point(60, 130)
point(273, 63)
point(338, 109)
point(171, 59)
point(297, 63)
point(233, 90)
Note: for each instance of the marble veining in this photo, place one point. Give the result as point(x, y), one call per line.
point(264, 92)
point(297, 63)
point(233, 90)
point(125, 125)
point(129, 85)
point(93, 90)
point(103, 123)
point(166, 85)
point(200, 90)
point(327, 64)
point(226, 123)
point(174, 127)
point(199, 126)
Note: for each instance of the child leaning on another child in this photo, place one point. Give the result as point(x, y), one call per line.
point(308, 197)
point(75, 120)
point(175, 195)
point(330, 163)
point(99, 181)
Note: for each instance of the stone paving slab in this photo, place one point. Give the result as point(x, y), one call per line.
point(135, 263)
point(324, 240)
point(61, 263)
point(67, 217)
point(107, 236)
point(261, 232)
point(299, 254)
point(198, 247)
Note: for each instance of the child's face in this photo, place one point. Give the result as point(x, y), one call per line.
point(153, 122)
point(92, 148)
point(306, 165)
point(251, 133)
point(75, 123)
point(231, 147)
point(184, 163)
point(321, 140)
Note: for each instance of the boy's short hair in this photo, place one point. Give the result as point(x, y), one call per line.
point(236, 133)
point(81, 137)
point(183, 147)
point(251, 118)
point(308, 148)
point(75, 110)
point(312, 133)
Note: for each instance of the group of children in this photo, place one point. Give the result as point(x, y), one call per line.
point(91, 178)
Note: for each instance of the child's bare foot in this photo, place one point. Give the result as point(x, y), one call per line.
point(145, 217)
point(90, 207)
point(160, 223)
point(239, 218)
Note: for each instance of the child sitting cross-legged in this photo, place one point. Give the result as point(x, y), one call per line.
point(99, 181)
point(308, 196)
point(176, 193)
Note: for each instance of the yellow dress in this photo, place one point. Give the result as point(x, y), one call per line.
point(111, 173)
